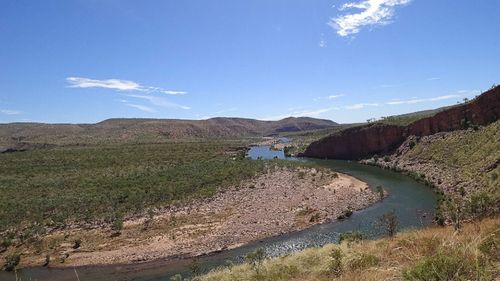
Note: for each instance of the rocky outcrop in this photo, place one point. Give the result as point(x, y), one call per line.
point(365, 141)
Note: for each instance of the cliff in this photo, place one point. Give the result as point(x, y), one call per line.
point(365, 141)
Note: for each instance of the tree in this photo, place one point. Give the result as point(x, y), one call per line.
point(380, 191)
point(256, 258)
point(389, 222)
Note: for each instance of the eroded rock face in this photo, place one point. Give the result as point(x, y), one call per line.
point(365, 141)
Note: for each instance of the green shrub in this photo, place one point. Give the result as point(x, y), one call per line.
point(77, 243)
point(481, 205)
point(388, 223)
point(335, 267)
point(350, 237)
point(380, 191)
point(362, 261)
point(256, 257)
point(490, 246)
point(447, 265)
point(11, 261)
point(345, 214)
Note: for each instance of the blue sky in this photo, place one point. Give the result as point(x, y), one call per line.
point(86, 61)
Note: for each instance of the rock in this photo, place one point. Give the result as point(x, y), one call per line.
point(365, 141)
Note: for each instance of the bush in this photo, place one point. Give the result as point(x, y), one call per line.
point(335, 267)
point(256, 257)
point(362, 261)
point(350, 237)
point(314, 218)
point(388, 223)
point(11, 262)
point(77, 243)
point(481, 205)
point(347, 213)
point(380, 191)
point(490, 246)
point(446, 265)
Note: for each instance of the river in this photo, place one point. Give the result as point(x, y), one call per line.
point(413, 202)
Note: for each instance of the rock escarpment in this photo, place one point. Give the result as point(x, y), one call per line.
point(364, 141)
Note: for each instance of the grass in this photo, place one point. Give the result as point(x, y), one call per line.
point(436, 253)
point(54, 187)
point(472, 154)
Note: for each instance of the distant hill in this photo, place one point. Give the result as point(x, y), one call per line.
point(130, 130)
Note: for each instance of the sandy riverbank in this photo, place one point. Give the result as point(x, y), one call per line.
point(277, 202)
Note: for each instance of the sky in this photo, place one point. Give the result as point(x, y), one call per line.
point(84, 61)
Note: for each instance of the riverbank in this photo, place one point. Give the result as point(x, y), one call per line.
point(279, 201)
point(433, 253)
point(459, 163)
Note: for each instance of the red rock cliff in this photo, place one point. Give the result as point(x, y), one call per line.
point(365, 141)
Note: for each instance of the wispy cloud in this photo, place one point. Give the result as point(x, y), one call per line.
point(322, 42)
point(141, 107)
point(158, 101)
point(369, 13)
point(413, 101)
point(335, 97)
point(360, 106)
point(118, 84)
point(433, 78)
point(332, 97)
point(10, 112)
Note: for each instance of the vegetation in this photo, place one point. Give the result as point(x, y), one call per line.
point(53, 187)
point(435, 253)
point(350, 237)
point(472, 154)
point(407, 119)
point(345, 214)
point(472, 157)
point(388, 223)
point(11, 262)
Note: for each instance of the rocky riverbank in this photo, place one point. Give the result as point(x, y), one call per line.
point(280, 201)
point(462, 162)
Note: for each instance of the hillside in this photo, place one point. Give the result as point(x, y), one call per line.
point(27, 135)
point(365, 141)
point(437, 253)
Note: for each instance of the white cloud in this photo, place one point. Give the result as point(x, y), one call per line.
point(117, 84)
point(329, 97)
point(360, 106)
point(159, 101)
point(335, 97)
point(10, 112)
point(122, 85)
point(433, 78)
point(373, 12)
point(412, 101)
point(170, 92)
point(141, 107)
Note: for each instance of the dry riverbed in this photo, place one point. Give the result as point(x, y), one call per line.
point(280, 201)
